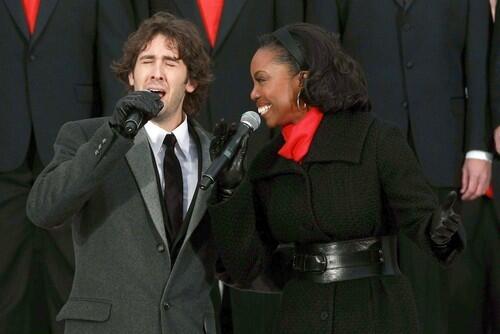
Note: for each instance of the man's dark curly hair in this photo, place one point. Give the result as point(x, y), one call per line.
point(335, 81)
point(186, 38)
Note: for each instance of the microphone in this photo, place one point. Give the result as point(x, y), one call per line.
point(249, 122)
point(134, 120)
point(132, 123)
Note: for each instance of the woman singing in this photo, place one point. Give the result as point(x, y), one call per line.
point(338, 184)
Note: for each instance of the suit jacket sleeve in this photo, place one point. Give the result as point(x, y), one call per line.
point(476, 76)
point(115, 21)
point(409, 195)
point(495, 72)
point(79, 165)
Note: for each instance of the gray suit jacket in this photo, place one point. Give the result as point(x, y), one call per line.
point(124, 281)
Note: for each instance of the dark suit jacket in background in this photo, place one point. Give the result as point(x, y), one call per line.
point(426, 66)
point(60, 74)
point(124, 280)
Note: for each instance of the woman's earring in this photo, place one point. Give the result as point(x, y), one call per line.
point(304, 107)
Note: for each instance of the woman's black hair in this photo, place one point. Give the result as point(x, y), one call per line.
point(335, 80)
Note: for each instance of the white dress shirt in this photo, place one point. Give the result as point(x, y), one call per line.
point(185, 150)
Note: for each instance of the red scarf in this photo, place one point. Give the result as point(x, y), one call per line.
point(298, 137)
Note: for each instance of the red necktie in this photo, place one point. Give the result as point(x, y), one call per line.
point(31, 8)
point(211, 12)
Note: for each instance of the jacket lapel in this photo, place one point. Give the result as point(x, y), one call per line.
point(17, 12)
point(230, 13)
point(405, 4)
point(201, 196)
point(340, 137)
point(189, 10)
point(46, 10)
point(408, 4)
point(141, 164)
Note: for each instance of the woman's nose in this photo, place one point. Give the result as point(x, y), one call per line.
point(254, 95)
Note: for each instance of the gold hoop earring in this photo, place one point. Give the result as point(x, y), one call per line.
point(297, 102)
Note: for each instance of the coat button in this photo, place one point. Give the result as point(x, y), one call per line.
point(409, 64)
point(160, 248)
point(166, 306)
point(96, 152)
point(99, 147)
point(104, 140)
point(406, 27)
point(32, 57)
point(324, 315)
point(405, 104)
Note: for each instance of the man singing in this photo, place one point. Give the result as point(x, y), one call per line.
point(143, 248)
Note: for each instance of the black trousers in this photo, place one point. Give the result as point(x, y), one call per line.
point(429, 280)
point(475, 277)
point(36, 266)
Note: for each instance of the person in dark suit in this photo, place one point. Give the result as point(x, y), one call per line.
point(55, 63)
point(426, 67)
point(230, 29)
point(143, 248)
point(304, 188)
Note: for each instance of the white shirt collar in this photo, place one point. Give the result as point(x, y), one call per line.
point(156, 136)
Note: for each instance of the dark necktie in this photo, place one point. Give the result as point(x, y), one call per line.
point(173, 193)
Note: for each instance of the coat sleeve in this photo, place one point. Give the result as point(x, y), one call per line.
point(244, 244)
point(495, 71)
point(79, 165)
point(476, 75)
point(409, 196)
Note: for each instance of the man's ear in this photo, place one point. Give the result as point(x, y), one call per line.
point(131, 79)
point(191, 86)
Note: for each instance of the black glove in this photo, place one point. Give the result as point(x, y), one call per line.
point(144, 102)
point(234, 172)
point(442, 231)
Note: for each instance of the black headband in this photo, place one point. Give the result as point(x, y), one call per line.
point(284, 37)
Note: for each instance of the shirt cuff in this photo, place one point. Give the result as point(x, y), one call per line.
point(480, 155)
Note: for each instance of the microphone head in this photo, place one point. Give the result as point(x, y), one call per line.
point(251, 118)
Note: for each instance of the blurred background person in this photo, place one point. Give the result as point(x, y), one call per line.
point(55, 65)
point(426, 67)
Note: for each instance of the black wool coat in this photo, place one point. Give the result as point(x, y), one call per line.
point(355, 164)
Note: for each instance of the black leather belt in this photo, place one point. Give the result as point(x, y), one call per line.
point(346, 260)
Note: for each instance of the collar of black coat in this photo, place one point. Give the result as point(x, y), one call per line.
point(340, 137)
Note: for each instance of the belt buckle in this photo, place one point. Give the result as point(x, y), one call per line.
point(308, 263)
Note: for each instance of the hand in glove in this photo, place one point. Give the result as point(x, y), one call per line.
point(442, 231)
point(232, 175)
point(146, 103)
